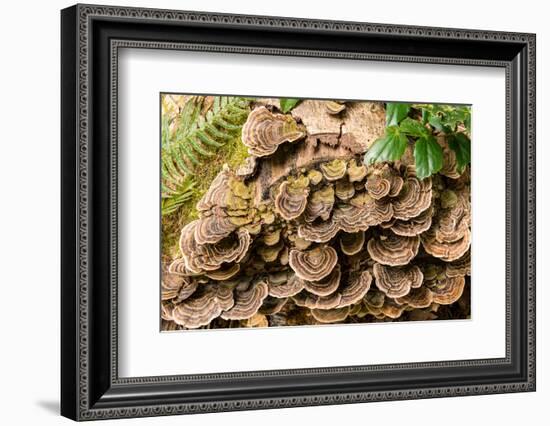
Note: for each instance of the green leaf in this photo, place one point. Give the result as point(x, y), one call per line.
point(396, 112)
point(468, 123)
point(428, 156)
point(413, 128)
point(390, 147)
point(460, 144)
point(288, 103)
point(436, 123)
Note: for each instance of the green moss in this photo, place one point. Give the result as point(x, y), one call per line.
point(233, 153)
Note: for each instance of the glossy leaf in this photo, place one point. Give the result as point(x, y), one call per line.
point(428, 156)
point(390, 147)
point(460, 144)
point(288, 103)
point(413, 128)
point(396, 112)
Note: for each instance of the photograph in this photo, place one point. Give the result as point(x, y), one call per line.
point(304, 212)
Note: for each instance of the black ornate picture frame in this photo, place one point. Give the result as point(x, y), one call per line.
point(90, 38)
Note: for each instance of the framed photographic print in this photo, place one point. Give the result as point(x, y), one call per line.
point(263, 212)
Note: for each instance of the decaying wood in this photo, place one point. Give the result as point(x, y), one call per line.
point(356, 127)
point(290, 159)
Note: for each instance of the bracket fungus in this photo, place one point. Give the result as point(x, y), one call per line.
point(207, 303)
point(393, 250)
point(303, 232)
point(418, 298)
point(284, 284)
point(334, 170)
point(291, 200)
point(320, 204)
point(319, 232)
point(356, 173)
point(397, 281)
point(331, 316)
point(314, 264)
point(448, 290)
point(414, 226)
point(413, 199)
point(344, 189)
point(264, 131)
point(325, 286)
point(246, 302)
point(384, 181)
point(213, 228)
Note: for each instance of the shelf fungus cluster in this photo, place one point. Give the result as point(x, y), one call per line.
point(304, 233)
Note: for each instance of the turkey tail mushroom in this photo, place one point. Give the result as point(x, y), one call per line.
point(207, 303)
point(325, 286)
point(393, 250)
point(448, 290)
point(291, 200)
point(397, 281)
point(320, 204)
point(264, 131)
point(314, 264)
point(331, 316)
point(247, 302)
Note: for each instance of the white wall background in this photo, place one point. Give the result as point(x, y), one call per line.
point(29, 212)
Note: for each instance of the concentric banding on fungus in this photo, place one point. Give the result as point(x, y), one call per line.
point(284, 284)
point(446, 251)
point(315, 176)
point(334, 170)
point(414, 198)
point(327, 285)
point(213, 228)
point(319, 232)
point(291, 200)
point(178, 267)
point(417, 298)
point(350, 292)
point(224, 272)
point(217, 191)
point(414, 226)
point(314, 264)
point(207, 303)
point(344, 189)
point(247, 302)
point(448, 290)
point(356, 173)
point(391, 309)
point(330, 316)
point(320, 204)
point(460, 266)
point(393, 250)
point(397, 281)
point(209, 257)
point(450, 224)
point(376, 212)
point(352, 219)
point(170, 285)
point(356, 287)
point(264, 131)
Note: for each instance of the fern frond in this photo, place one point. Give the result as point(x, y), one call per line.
point(195, 136)
point(178, 197)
